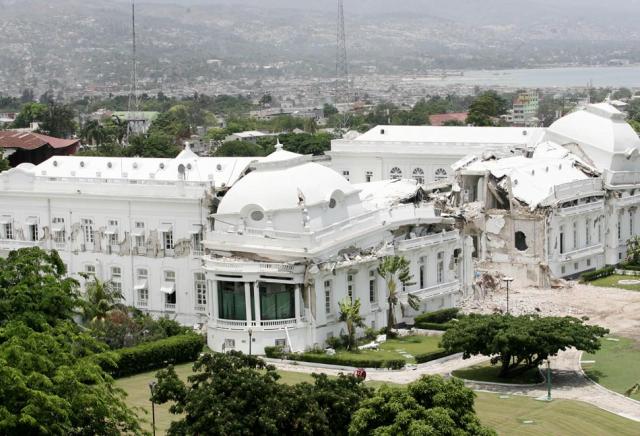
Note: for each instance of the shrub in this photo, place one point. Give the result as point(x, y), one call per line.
point(629, 266)
point(432, 355)
point(153, 355)
point(338, 343)
point(438, 316)
point(275, 352)
point(597, 274)
point(345, 361)
point(370, 333)
point(433, 326)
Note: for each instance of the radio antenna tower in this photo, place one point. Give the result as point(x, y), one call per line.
point(134, 104)
point(342, 72)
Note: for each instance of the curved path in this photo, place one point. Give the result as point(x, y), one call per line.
point(568, 381)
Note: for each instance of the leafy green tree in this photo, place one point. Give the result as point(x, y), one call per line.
point(239, 148)
point(58, 120)
point(238, 394)
point(518, 343)
point(394, 269)
point(50, 384)
point(29, 113)
point(429, 406)
point(485, 107)
point(93, 132)
point(350, 315)
point(156, 144)
point(633, 109)
point(34, 288)
point(622, 94)
point(329, 110)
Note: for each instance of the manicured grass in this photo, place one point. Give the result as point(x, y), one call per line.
point(558, 417)
point(612, 282)
point(617, 365)
point(391, 349)
point(506, 416)
point(485, 372)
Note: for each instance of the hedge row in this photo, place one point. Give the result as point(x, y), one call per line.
point(438, 317)
point(274, 352)
point(597, 274)
point(154, 355)
point(432, 355)
point(629, 267)
point(432, 326)
point(344, 361)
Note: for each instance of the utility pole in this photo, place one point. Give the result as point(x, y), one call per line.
point(342, 72)
point(133, 105)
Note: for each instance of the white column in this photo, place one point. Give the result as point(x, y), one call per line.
point(256, 301)
point(247, 301)
point(296, 296)
point(213, 298)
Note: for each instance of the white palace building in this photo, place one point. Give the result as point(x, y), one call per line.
point(267, 247)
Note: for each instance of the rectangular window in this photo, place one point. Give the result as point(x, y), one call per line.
point(561, 239)
point(576, 266)
point(59, 231)
point(231, 301)
point(277, 301)
point(87, 231)
point(368, 176)
point(441, 267)
point(200, 287)
point(327, 296)
point(373, 294)
point(33, 232)
point(167, 240)
point(116, 278)
point(229, 343)
point(587, 233)
point(562, 269)
point(90, 269)
point(143, 297)
point(423, 262)
point(112, 232)
point(170, 276)
point(631, 219)
point(350, 286)
point(588, 262)
point(196, 243)
point(142, 274)
point(619, 227)
point(138, 232)
point(575, 235)
point(7, 230)
point(346, 174)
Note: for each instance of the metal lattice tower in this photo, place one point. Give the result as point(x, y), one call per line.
point(342, 72)
point(134, 103)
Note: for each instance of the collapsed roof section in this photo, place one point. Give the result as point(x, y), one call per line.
point(530, 180)
point(387, 193)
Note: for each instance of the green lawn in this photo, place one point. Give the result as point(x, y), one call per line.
point(612, 282)
point(489, 373)
point(558, 418)
point(617, 365)
point(394, 349)
point(510, 416)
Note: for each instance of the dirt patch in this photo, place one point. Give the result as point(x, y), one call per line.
point(615, 309)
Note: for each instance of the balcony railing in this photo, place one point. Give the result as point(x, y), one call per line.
point(423, 241)
point(142, 303)
point(277, 324)
point(581, 252)
point(200, 308)
point(618, 178)
point(581, 208)
point(14, 244)
point(170, 307)
point(262, 267)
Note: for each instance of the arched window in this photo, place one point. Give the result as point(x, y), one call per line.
point(418, 175)
point(441, 174)
point(395, 174)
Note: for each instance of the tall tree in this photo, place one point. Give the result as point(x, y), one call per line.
point(350, 315)
point(518, 343)
point(29, 113)
point(394, 269)
point(429, 406)
point(34, 288)
point(485, 108)
point(58, 120)
point(100, 299)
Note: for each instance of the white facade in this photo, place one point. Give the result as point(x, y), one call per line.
point(136, 222)
point(293, 238)
point(422, 153)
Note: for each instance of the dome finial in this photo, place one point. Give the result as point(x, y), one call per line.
point(278, 145)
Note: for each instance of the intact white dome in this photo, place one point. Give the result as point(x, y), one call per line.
point(603, 133)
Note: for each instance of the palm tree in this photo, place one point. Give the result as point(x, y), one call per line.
point(101, 298)
point(393, 269)
point(350, 315)
point(93, 132)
